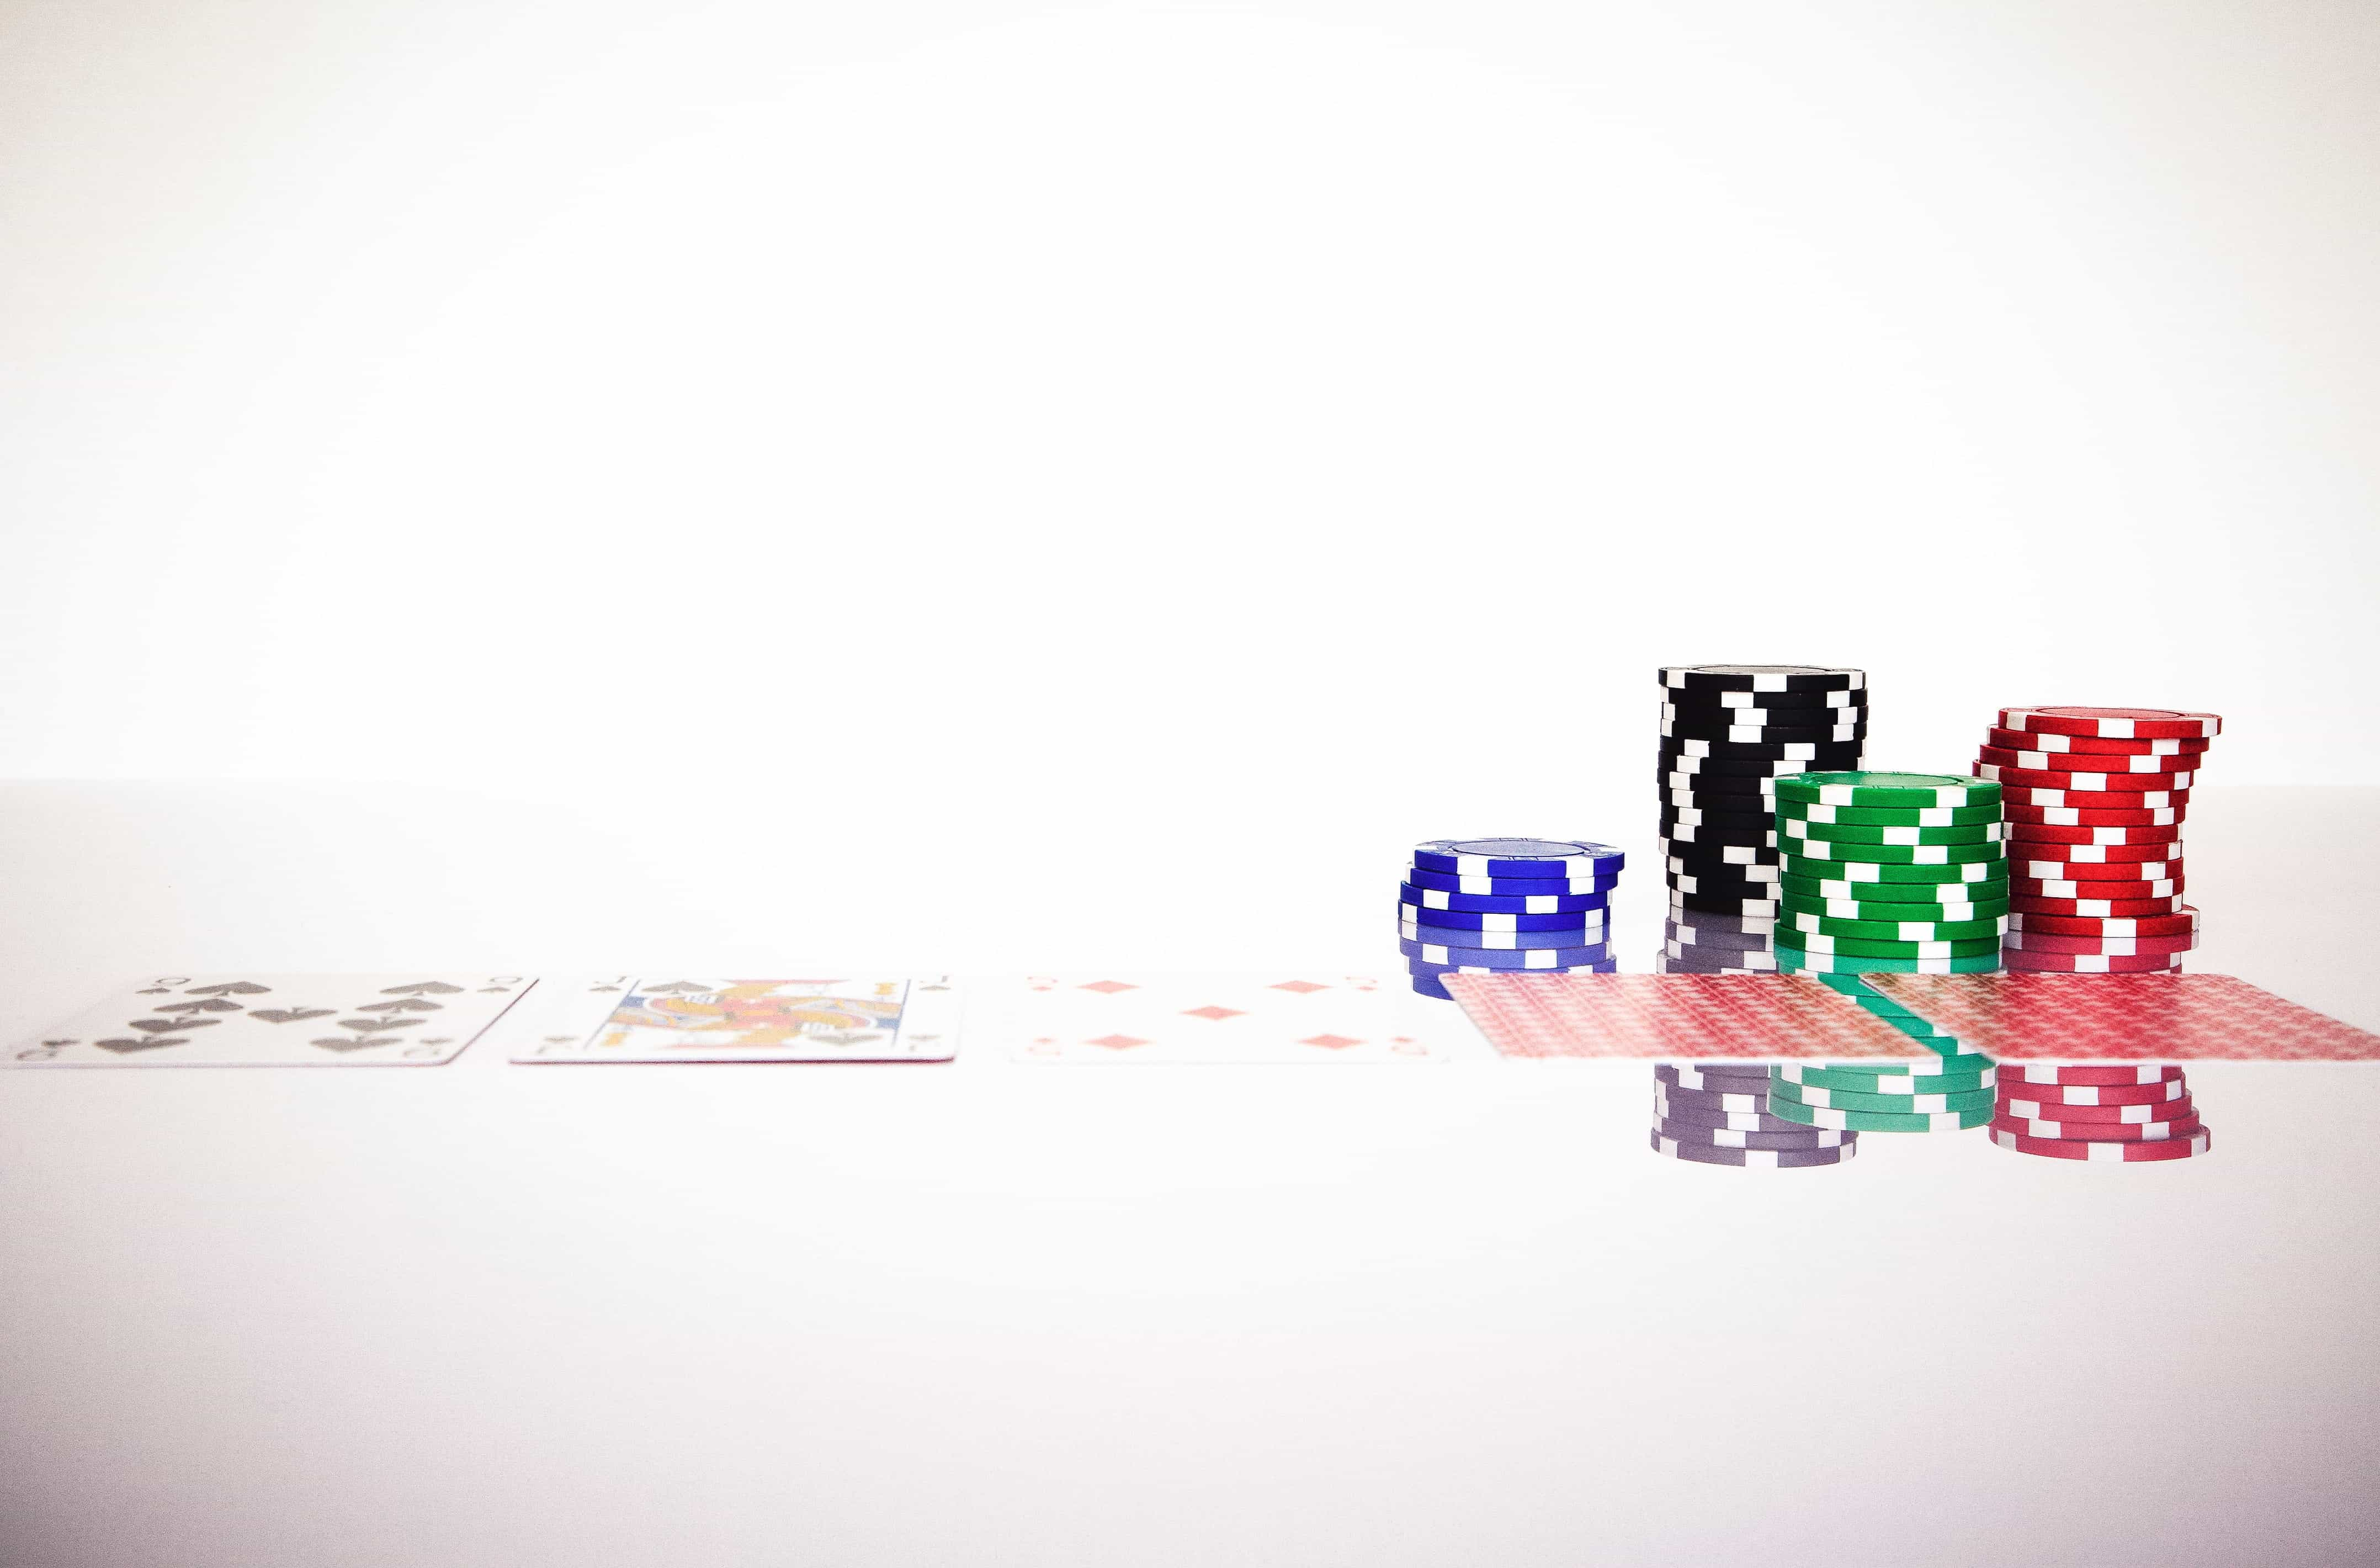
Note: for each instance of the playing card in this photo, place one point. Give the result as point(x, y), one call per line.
point(281, 1020)
point(679, 1018)
point(1675, 1017)
point(1177, 1019)
point(2153, 1017)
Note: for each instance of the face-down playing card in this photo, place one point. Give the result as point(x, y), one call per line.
point(2051, 1017)
point(680, 1018)
point(1676, 1017)
point(280, 1020)
point(1187, 1020)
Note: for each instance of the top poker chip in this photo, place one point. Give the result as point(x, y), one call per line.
point(1518, 858)
point(1886, 789)
point(2113, 723)
point(1761, 677)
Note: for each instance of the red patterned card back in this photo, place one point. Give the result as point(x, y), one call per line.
point(1675, 1017)
point(2044, 1017)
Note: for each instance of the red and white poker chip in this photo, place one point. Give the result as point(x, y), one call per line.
point(2063, 870)
point(2113, 723)
point(2183, 921)
point(2020, 1106)
point(2092, 746)
point(2105, 908)
point(2099, 1098)
point(2069, 762)
point(2046, 944)
point(2018, 962)
point(2092, 799)
point(2089, 784)
point(2044, 887)
point(2196, 1143)
point(2095, 854)
point(2080, 817)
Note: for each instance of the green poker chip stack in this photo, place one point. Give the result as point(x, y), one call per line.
point(1891, 873)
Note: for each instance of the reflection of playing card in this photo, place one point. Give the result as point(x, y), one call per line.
point(2037, 1017)
point(1174, 1019)
point(669, 1018)
point(1675, 1017)
point(281, 1020)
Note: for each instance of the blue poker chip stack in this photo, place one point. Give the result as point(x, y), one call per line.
point(1480, 905)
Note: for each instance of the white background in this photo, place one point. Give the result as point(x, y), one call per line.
point(1001, 488)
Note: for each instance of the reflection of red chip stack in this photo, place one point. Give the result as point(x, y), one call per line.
point(2115, 1112)
point(2094, 799)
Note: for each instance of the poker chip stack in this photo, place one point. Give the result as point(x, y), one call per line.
point(1729, 733)
point(1480, 905)
point(1716, 1113)
point(2095, 799)
point(2117, 1112)
point(1889, 873)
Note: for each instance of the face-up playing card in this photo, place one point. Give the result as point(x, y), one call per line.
point(1676, 1017)
point(1175, 1019)
point(280, 1020)
point(682, 1018)
point(2046, 1018)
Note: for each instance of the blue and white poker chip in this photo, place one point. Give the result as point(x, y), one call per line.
point(1587, 935)
point(1444, 956)
point(1507, 920)
point(1518, 858)
point(1501, 904)
point(1512, 887)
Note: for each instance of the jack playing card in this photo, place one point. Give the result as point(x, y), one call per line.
point(674, 1018)
point(281, 1020)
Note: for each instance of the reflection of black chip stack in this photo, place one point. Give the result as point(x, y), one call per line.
point(1728, 731)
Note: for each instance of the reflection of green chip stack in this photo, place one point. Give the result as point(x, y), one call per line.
point(1887, 872)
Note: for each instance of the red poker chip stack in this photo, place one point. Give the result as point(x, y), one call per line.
point(2094, 800)
point(2113, 1111)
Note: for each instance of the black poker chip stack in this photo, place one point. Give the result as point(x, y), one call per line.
point(1728, 732)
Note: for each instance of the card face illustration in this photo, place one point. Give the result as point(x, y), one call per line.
point(1676, 1018)
point(280, 1020)
point(1108, 1020)
point(705, 1018)
point(2038, 1017)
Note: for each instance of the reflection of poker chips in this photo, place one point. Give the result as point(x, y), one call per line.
point(2162, 1091)
point(1763, 1159)
point(1760, 677)
point(2018, 1102)
point(1589, 935)
point(1888, 1077)
point(1879, 789)
point(2016, 961)
point(1428, 979)
point(1790, 1136)
point(2108, 946)
point(2067, 762)
point(1853, 833)
point(2099, 1132)
point(2196, 1143)
point(1879, 1121)
point(1680, 959)
point(2182, 922)
point(1720, 930)
point(1894, 929)
point(1784, 1092)
point(1752, 1094)
point(1856, 947)
point(2090, 746)
point(1430, 898)
point(1518, 857)
point(1716, 1076)
point(1687, 906)
point(1446, 881)
point(1710, 1121)
point(2096, 1073)
point(2112, 724)
point(1789, 957)
point(1493, 958)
